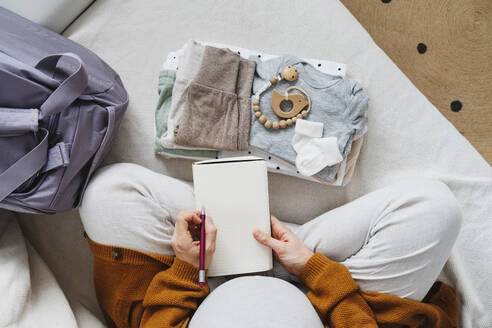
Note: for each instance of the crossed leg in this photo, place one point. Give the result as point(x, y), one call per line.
point(394, 240)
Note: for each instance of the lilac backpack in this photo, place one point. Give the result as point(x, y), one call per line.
point(60, 109)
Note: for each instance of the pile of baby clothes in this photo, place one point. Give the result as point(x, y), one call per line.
point(211, 100)
point(204, 111)
point(320, 142)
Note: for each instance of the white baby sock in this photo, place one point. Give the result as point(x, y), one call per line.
point(314, 152)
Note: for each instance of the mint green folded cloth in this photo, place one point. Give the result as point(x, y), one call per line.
point(165, 89)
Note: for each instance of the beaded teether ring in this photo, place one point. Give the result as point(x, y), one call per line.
point(289, 73)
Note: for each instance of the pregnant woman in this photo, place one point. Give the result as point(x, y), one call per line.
point(369, 263)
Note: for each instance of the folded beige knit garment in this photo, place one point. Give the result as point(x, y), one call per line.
point(190, 62)
point(216, 114)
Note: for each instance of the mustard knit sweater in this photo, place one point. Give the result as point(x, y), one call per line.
point(136, 289)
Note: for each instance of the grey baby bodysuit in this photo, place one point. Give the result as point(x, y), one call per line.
point(338, 102)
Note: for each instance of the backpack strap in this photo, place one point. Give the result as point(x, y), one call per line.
point(69, 90)
point(58, 155)
point(39, 160)
point(17, 121)
point(26, 167)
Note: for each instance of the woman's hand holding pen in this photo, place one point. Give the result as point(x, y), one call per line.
point(186, 231)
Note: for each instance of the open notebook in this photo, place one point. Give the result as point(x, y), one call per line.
point(234, 192)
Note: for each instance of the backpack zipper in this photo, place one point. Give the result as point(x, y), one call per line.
point(53, 137)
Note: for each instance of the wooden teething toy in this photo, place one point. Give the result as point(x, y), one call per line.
point(298, 101)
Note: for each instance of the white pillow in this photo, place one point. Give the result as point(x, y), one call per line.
point(53, 14)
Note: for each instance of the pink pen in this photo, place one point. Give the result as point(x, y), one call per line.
point(201, 273)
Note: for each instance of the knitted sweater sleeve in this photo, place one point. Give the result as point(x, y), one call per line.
point(335, 295)
point(172, 297)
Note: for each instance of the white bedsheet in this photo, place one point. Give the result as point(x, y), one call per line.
point(407, 134)
point(31, 297)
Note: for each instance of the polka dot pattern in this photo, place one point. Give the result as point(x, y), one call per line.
point(456, 106)
point(443, 47)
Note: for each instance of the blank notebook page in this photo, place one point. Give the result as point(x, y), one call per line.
point(235, 195)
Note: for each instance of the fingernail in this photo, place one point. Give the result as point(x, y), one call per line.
point(256, 233)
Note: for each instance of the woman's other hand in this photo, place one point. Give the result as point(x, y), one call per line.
point(289, 250)
point(187, 250)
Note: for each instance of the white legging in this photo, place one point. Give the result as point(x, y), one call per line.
point(394, 240)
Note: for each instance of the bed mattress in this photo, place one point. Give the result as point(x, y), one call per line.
point(407, 136)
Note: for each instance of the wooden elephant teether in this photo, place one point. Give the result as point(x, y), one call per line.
point(299, 101)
